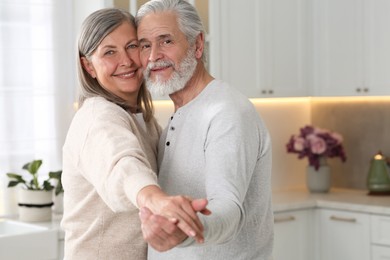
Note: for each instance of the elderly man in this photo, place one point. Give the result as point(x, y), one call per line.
point(215, 145)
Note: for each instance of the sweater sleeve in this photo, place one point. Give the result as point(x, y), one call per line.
point(231, 150)
point(112, 160)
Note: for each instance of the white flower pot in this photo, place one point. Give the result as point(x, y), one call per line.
point(35, 205)
point(58, 200)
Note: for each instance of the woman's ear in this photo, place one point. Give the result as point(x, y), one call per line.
point(87, 65)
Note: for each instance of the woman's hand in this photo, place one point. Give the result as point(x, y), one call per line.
point(176, 208)
point(163, 234)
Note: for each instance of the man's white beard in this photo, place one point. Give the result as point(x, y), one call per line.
point(180, 76)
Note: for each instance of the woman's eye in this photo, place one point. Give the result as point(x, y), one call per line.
point(110, 52)
point(132, 46)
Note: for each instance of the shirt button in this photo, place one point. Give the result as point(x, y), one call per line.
point(172, 128)
point(168, 143)
point(171, 117)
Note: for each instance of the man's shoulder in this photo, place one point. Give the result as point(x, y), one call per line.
point(230, 98)
point(223, 92)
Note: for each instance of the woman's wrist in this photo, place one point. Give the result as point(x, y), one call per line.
point(146, 196)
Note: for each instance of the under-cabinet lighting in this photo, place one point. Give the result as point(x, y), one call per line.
point(368, 99)
point(279, 100)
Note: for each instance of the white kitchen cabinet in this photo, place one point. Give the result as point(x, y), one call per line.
point(344, 235)
point(61, 247)
point(260, 46)
point(380, 253)
point(293, 235)
point(380, 237)
point(351, 47)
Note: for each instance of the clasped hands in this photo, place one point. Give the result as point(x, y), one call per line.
point(168, 220)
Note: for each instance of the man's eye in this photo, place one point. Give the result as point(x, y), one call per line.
point(167, 42)
point(145, 46)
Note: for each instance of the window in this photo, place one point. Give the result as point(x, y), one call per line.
point(37, 82)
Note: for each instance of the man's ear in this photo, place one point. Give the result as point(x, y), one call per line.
point(199, 44)
point(87, 65)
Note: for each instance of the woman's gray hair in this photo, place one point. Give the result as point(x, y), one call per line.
point(93, 30)
point(188, 18)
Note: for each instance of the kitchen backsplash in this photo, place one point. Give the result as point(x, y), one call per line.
point(363, 122)
point(365, 126)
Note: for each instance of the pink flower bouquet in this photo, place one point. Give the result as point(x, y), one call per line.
point(314, 143)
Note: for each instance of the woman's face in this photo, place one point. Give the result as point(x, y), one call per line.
point(116, 63)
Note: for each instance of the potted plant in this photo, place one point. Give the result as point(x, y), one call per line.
point(35, 198)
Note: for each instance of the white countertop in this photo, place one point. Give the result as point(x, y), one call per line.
point(54, 224)
point(352, 200)
point(296, 199)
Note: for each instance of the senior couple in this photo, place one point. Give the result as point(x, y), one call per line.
point(212, 196)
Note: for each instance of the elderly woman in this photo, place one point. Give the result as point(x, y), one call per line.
point(109, 156)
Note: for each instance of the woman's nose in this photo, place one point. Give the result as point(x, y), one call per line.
point(126, 59)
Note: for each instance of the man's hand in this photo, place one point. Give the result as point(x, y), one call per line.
point(162, 233)
point(177, 208)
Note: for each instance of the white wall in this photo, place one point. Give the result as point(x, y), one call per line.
point(283, 118)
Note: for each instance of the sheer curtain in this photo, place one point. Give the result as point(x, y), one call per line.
point(37, 85)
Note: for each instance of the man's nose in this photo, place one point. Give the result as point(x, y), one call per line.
point(155, 53)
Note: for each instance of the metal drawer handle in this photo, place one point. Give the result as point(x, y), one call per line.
point(343, 219)
point(284, 219)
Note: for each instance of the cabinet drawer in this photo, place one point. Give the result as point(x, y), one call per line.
point(380, 253)
point(293, 237)
point(380, 230)
point(344, 235)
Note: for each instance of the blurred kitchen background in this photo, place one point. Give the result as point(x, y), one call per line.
point(325, 63)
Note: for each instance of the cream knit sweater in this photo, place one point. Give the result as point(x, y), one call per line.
point(107, 159)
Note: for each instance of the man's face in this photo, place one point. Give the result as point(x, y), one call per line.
point(166, 55)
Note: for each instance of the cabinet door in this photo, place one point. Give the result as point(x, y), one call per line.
point(344, 235)
point(351, 47)
point(233, 44)
point(284, 47)
point(259, 47)
point(292, 235)
point(338, 47)
point(378, 47)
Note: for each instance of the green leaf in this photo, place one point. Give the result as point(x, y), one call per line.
point(13, 183)
point(14, 175)
point(55, 175)
point(17, 179)
point(33, 167)
point(47, 185)
point(59, 188)
point(31, 184)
